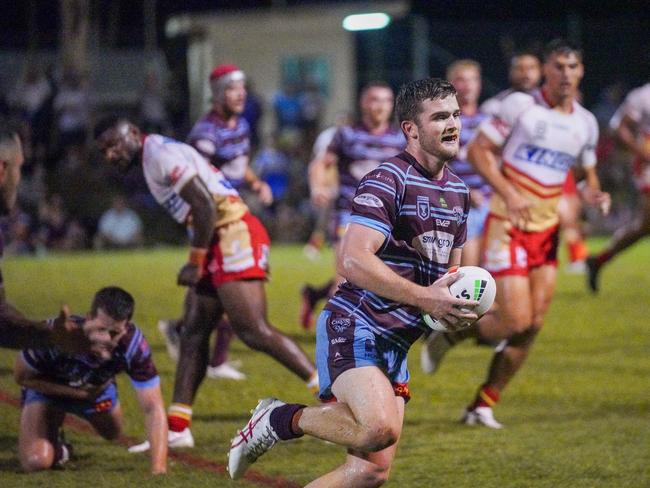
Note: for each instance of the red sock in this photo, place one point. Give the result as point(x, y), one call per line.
point(577, 251)
point(486, 396)
point(179, 416)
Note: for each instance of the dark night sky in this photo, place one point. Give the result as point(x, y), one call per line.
point(14, 18)
point(615, 36)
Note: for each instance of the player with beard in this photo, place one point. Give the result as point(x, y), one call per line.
point(525, 75)
point(525, 154)
point(355, 150)
point(465, 75)
point(226, 267)
point(395, 271)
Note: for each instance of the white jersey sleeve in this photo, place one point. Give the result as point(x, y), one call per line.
point(168, 166)
point(588, 157)
point(498, 128)
point(633, 106)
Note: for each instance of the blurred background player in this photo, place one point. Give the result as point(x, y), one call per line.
point(465, 75)
point(355, 150)
point(222, 136)
point(525, 74)
point(389, 265)
point(525, 154)
point(318, 236)
point(55, 384)
point(631, 123)
point(226, 267)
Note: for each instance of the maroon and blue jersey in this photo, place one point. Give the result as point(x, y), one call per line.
point(461, 166)
point(360, 152)
point(423, 219)
point(227, 148)
point(132, 355)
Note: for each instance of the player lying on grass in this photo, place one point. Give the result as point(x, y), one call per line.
point(407, 229)
point(55, 383)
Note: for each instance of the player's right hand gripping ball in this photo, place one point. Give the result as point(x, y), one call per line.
point(476, 284)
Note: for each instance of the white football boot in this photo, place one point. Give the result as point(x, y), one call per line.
point(434, 348)
point(175, 440)
point(254, 439)
point(481, 416)
point(226, 371)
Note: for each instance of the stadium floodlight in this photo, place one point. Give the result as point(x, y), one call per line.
point(370, 21)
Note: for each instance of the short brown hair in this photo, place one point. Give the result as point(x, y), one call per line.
point(411, 95)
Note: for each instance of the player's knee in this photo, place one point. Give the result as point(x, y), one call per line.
point(257, 336)
point(372, 475)
point(520, 323)
point(523, 338)
point(379, 437)
point(37, 458)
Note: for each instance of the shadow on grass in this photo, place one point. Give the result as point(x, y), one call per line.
point(9, 447)
point(6, 371)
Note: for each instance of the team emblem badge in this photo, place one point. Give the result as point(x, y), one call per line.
point(424, 208)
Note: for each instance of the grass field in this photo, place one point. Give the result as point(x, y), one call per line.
point(578, 415)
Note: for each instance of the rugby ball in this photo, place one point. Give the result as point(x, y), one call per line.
point(476, 284)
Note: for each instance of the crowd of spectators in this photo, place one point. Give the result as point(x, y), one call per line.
point(69, 201)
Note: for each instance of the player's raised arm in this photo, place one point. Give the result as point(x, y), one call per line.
point(204, 214)
point(359, 264)
point(321, 193)
point(155, 420)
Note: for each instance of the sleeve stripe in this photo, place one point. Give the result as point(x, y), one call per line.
point(373, 224)
point(380, 186)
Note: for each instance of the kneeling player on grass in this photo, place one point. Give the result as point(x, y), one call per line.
point(55, 383)
point(407, 230)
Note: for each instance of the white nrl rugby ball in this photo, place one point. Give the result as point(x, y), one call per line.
point(476, 284)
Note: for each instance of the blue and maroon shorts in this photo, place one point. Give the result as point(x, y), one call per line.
point(344, 342)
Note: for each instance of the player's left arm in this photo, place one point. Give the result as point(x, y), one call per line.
point(259, 186)
point(591, 192)
point(358, 262)
point(204, 216)
point(155, 419)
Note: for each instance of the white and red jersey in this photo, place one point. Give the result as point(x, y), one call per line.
point(540, 145)
point(169, 165)
point(637, 107)
point(492, 105)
